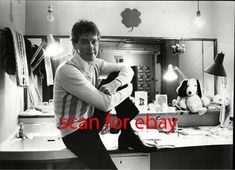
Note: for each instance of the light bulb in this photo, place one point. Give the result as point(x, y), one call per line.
point(170, 75)
point(53, 47)
point(50, 16)
point(198, 14)
point(199, 21)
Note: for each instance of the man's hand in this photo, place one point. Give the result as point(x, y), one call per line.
point(111, 87)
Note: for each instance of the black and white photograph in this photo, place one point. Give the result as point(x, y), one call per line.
point(127, 85)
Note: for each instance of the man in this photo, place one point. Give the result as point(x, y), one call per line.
point(78, 99)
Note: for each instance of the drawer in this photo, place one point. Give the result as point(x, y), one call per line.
point(132, 161)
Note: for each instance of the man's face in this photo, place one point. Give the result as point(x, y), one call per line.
point(88, 46)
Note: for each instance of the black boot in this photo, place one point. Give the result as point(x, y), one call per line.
point(129, 140)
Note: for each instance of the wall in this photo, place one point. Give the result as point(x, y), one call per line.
point(159, 18)
point(223, 24)
point(12, 14)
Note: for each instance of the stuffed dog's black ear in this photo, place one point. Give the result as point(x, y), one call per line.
point(199, 91)
point(181, 90)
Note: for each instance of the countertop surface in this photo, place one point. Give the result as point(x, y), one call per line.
point(185, 137)
point(43, 141)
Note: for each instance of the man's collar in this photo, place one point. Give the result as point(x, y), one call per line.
point(82, 64)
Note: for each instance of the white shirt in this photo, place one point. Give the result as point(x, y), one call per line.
point(75, 89)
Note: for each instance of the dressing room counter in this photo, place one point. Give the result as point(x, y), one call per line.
point(43, 147)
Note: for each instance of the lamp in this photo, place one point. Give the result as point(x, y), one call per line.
point(53, 47)
point(217, 69)
point(171, 75)
point(198, 22)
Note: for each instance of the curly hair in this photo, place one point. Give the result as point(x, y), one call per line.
point(84, 27)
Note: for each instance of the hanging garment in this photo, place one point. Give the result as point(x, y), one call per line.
point(14, 57)
point(49, 72)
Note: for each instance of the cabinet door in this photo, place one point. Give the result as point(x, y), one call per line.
point(128, 161)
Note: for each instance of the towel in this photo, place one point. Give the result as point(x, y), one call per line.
point(49, 73)
point(22, 74)
point(7, 52)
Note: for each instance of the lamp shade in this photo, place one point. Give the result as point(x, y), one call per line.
point(217, 68)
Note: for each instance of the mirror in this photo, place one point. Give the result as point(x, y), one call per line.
point(149, 58)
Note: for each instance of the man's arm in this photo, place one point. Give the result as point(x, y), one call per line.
point(73, 81)
point(125, 75)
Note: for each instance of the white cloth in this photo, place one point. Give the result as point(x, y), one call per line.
point(22, 74)
point(49, 72)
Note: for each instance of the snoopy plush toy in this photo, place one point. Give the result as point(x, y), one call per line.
point(190, 97)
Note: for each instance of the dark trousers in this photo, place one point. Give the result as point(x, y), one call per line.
point(86, 143)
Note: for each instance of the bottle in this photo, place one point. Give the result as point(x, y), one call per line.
point(51, 106)
point(21, 132)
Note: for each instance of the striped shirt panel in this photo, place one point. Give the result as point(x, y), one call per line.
point(72, 107)
point(67, 105)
